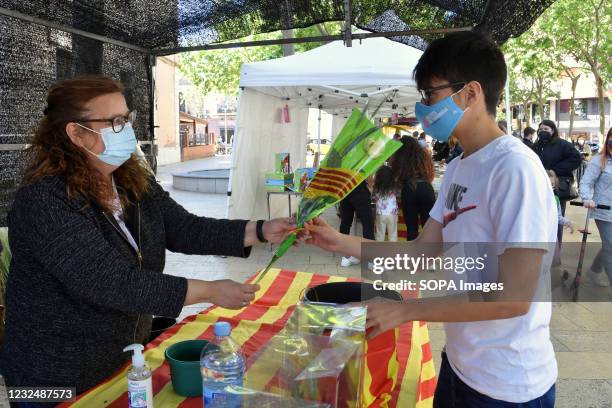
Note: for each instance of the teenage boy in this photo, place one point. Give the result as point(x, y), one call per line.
point(497, 354)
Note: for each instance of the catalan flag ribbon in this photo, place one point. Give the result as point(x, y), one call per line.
point(398, 367)
point(356, 153)
point(336, 183)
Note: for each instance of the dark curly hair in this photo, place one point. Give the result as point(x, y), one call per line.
point(384, 182)
point(411, 163)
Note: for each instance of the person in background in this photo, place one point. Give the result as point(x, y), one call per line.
point(503, 125)
point(596, 188)
point(529, 136)
point(397, 135)
point(423, 140)
point(415, 134)
point(560, 156)
point(440, 151)
point(413, 170)
point(359, 201)
point(562, 221)
point(386, 204)
point(587, 152)
point(455, 150)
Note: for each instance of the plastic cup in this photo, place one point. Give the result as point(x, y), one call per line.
point(184, 360)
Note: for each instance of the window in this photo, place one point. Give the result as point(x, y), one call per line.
point(199, 139)
point(230, 134)
point(581, 108)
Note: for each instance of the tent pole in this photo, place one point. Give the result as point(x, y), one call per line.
point(348, 39)
point(319, 133)
point(325, 39)
point(508, 111)
point(56, 26)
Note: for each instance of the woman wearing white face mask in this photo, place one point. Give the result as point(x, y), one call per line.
point(88, 231)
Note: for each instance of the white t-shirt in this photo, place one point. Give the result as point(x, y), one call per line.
point(501, 194)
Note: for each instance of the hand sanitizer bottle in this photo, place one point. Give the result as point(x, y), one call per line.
point(140, 384)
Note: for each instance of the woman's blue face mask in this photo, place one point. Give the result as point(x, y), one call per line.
point(440, 119)
point(118, 146)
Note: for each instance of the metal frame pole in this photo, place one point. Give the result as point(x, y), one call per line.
point(508, 110)
point(325, 38)
point(348, 39)
point(68, 29)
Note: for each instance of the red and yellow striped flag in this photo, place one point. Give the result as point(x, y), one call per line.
point(334, 182)
point(399, 375)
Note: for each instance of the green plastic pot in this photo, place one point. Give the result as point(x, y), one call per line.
point(184, 360)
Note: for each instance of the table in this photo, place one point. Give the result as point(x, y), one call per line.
point(412, 386)
point(287, 193)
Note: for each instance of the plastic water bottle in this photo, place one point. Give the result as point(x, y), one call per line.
point(221, 364)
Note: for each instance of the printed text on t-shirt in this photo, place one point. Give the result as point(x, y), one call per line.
point(454, 197)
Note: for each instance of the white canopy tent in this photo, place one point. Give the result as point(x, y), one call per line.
point(333, 78)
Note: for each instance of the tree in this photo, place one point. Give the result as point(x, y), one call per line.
point(219, 70)
point(531, 71)
point(523, 93)
point(532, 68)
point(578, 28)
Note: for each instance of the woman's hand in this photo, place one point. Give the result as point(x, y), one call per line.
point(225, 293)
point(232, 295)
point(276, 230)
point(589, 204)
point(317, 232)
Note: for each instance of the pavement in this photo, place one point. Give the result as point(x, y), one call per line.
point(581, 332)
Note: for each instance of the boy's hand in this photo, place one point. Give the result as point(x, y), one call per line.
point(317, 232)
point(384, 315)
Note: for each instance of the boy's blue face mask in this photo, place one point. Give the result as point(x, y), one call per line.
point(440, 119)
point(118, 147)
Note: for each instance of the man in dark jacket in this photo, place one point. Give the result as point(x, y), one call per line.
point(528, 136)
point(558, 155)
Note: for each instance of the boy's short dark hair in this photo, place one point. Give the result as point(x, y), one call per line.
point(528, 131)
point(463, 57)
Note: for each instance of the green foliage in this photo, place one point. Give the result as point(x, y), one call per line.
point(578, 28)
point(219, 70)
point(581, 29)
point(570, 30)
point(533, 68)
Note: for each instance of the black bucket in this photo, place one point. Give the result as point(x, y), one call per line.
point(347, 292)
point(159, 325)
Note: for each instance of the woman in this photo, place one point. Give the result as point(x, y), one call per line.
point(89, 230)
point(359, 201)
point(596, 188)
point(413, 170)
point(560, 156)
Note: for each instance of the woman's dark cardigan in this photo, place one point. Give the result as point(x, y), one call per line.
point(78, 292)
